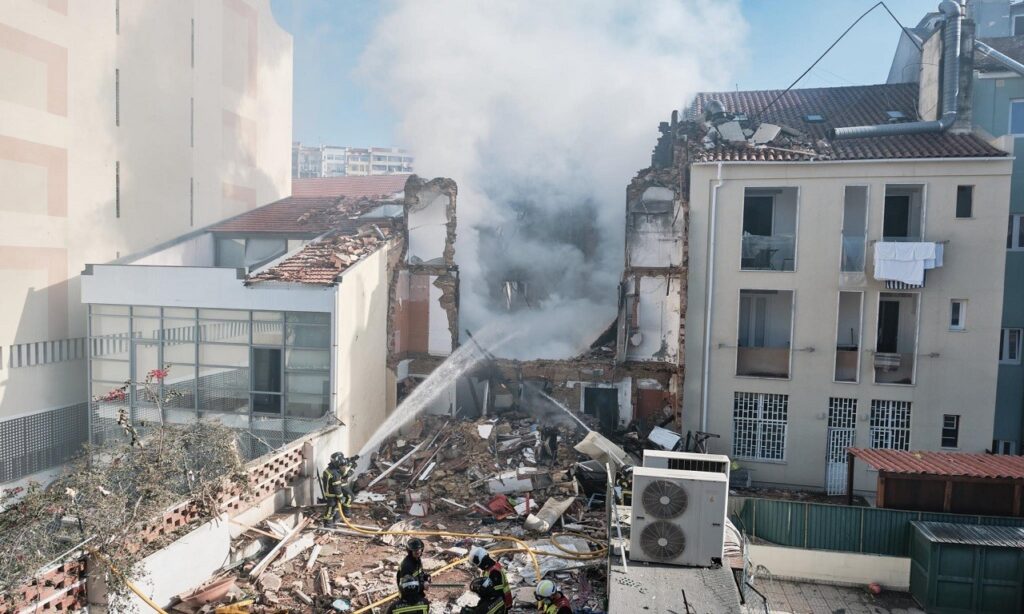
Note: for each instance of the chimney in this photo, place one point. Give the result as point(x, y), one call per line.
point(964, 101)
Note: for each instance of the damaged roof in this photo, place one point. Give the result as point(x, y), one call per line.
point(807, 116)
point(947, 464)
point(352, 187)
point(299, 215)
point(321, 262)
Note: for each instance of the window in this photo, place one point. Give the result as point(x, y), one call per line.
point(1015, 233)
point(1018, 25)
point(814, 118)
point(1002, 446)
point(769, 229)
point(950, 431)
point(763, 333)
point(902, 214)
point(896, 338)
point(266, 380)
point(759, 426)
point(957, 314)
point(1009, 346)
point(847, 366)
point(964, 201)
point(1017, 117)
point(890, 424)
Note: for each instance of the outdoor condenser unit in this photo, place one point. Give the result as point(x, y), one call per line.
point(687, 461)
point(678, 516)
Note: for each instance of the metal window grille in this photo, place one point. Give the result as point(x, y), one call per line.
point(890, 424)
point(759, 425)
point(842, 413)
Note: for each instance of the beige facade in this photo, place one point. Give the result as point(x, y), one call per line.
point(943, 371)
point(123, 123)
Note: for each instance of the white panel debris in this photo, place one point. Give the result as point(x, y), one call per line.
point(427, 228)
point(656, 335)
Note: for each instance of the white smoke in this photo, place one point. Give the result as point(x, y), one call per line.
point(552, 104)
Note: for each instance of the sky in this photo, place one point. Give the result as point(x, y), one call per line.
point(334, 104)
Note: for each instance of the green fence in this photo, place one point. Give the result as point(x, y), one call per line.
point(820, 526)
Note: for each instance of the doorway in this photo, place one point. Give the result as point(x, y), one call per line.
point(603, 404)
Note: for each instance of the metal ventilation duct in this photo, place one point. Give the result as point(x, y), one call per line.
point(950, 87)
point(1003, 59)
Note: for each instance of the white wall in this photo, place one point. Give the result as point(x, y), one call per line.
point(427, 227)
point(658, 320)
point(360, 350)
point(197, 251)
point(59, 144)
point(843, 568)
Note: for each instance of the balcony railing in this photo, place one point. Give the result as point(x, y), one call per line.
point(846, 364)
point(894, 367)
point(762, 362)
point(768, 253)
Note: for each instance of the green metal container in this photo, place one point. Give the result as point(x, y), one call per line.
point(958, 568)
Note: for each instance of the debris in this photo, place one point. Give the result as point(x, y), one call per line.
point(296, 548)
point(600, 448)
point(395, 466)
point(303, 597)
point(270, 582)
point(262, 565)
point(324, 581)
point(548, 515)
point(484, 430)
point(313, 554)
point(341, 605)
point(665, 439)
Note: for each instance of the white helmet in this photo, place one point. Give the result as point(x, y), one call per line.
point(477, 555)
point(545, 589)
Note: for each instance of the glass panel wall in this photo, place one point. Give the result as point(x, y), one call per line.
point(267, 373)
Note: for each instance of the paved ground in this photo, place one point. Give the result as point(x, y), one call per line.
point(805, 598)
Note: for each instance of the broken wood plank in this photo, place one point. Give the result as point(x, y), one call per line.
point(315, 552)
point(260, 567)
point(396, 465)
point(324, 581)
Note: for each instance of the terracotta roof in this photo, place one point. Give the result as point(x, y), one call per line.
point(951, 464)
point(351, 187)
point(297, 215)
point(320, 263)
point(838, 106)
point(1012, 46)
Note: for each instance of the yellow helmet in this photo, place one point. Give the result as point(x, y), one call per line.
point(545, 589)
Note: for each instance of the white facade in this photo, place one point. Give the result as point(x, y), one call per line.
point(794, 343)
point(122, 124)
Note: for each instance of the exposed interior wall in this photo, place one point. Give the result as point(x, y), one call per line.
point(655, 334)
point(361, 348)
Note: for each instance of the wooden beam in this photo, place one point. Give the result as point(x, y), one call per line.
point(947, 497)
point(388, 471)
point(880, 493)
point(1018, 490)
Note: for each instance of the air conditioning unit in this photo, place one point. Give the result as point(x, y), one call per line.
point(688, 461)
point(678, 517)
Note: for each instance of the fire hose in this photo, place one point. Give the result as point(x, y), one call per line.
point(523, 547)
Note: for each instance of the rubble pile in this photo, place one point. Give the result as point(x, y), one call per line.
point(454, 484)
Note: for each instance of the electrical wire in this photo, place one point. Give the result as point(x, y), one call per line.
point(834, 43)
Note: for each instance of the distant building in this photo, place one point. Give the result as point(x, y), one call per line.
point(124, 125)
point(335, 161)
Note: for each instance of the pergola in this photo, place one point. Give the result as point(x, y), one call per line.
point(950, 482)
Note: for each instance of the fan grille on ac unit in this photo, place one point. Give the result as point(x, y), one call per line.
point(664, 500)
point(662, 541)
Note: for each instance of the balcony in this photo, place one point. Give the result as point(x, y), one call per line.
point(764, 330)
point(894, 367)
point(769, 229)
point(768, 253)
point(846, 363)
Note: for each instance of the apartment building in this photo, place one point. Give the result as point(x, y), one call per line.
point(802, 337)
point(122, 125)
point(335, 161)
point(998, 109)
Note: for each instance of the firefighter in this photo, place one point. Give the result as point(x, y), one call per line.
point(624, 485)
point(550, 600)
point(412, 565)
point(410, 600)
point(337, 485)
point(492, 585)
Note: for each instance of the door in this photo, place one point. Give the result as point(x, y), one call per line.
point(896, 219)
point(888, 326)
point(842, 427)
point(602, 403)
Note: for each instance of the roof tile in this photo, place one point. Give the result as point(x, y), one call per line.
point(951, 464)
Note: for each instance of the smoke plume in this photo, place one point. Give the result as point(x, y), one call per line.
point(542, 112)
